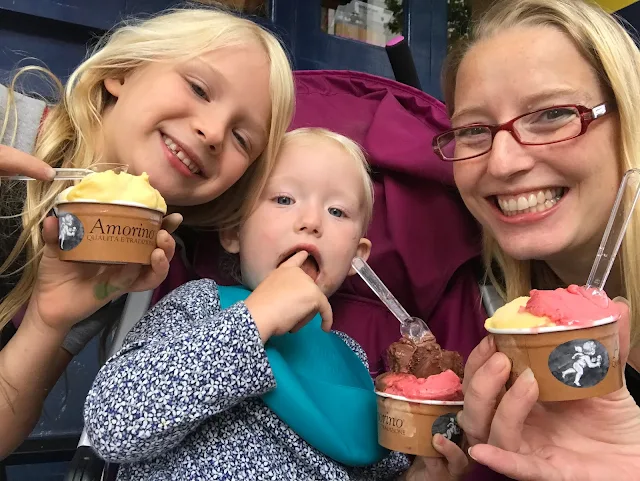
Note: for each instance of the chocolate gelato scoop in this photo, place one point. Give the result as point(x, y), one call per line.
point(422, 359)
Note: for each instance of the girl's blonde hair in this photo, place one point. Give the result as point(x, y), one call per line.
point(351, 148)
point(614, 56)
point(72, 128)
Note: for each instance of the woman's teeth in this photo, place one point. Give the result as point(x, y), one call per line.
point(530, 202)
point(180, 154)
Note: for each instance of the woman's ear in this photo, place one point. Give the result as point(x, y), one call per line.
point(230, 240)
point(363, 251)
point(114, 86)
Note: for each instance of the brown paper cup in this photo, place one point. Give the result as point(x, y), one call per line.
point(107, 233)
point(568, 363)
point(408, 426)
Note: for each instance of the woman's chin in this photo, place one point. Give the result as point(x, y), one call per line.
point(534, 249)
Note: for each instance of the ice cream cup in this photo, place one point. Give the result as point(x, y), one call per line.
point(107, 233)
point(408, 425)
point(569, 362)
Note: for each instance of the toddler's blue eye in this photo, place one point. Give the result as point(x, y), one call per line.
point(334, 211)
point(284, 200)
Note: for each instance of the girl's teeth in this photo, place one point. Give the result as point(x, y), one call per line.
point(180, 155)
point(531, 202)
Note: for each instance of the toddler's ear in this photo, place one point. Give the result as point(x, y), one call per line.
point(363, 251)
point(230, 240)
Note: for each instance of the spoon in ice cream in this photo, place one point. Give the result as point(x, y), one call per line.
point(614, 232)
point(413, 328)
point(61, 174)
point(68, 173)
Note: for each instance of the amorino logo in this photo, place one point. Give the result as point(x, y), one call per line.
point(121, 232)
point(126, 230)
point(390, 421)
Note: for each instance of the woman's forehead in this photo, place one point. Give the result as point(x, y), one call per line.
point(524, 66)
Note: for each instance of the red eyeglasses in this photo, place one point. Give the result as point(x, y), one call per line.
point(541, 127)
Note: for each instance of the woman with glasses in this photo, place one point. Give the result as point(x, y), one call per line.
point(544, 103)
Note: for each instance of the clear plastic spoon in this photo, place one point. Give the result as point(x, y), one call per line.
point(66, 173)
point(616, 228)
point(411, 327)
point(61, 174)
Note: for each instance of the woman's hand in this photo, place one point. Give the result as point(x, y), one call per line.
point(514, 434)
point(15, 162)
point(67, 292)
point(452, 467)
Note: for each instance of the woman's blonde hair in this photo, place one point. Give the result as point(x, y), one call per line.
point(614, 56)
point(71, 130)
point(351, 148)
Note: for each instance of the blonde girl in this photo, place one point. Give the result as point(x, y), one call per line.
point(200, 100)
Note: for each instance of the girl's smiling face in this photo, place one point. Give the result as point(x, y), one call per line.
point(193, 126)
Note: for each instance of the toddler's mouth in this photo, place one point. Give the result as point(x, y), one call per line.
point(311, 265)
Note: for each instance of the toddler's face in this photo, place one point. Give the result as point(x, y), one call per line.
point(313, 201)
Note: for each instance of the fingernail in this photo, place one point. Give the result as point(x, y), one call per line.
point(438, 439)
point(527, 376)
point(496, 364)
point(471, 453)
point(526, 380)
point(50, 173)
point(459, 418)
point(491, 341)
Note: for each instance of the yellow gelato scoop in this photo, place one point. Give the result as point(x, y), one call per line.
point(513, 316)
point(111, 188)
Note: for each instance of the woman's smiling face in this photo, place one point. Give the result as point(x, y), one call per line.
point(568, 187)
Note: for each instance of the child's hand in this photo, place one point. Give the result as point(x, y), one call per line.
point(287, 299)
point(67, 292)
point(452, 467)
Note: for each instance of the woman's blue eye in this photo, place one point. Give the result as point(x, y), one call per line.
point(284, 200)
point(557, 114)
point(334, 211)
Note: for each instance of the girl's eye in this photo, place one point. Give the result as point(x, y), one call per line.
point(243, 142)
point(199, 91)
point(284, 200)
point(334, 211)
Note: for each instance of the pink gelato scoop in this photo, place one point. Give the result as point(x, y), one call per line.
point(574, 305)
point(445, 386)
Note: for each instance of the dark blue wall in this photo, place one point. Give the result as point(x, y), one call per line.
point(425, 27)
point(632, 15)
point(57, 33)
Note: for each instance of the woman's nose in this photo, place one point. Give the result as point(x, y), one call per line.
point(507, 157)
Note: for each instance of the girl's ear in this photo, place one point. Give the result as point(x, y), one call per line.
point(114, 86)
point(230, 240)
